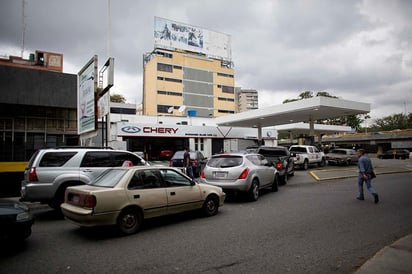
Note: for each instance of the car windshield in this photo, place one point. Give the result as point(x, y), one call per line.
point(109, 178)
point(225, 161)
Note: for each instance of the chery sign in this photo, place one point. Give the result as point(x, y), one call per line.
point(125, 129)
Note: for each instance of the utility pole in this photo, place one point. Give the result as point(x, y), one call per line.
point(23, 26)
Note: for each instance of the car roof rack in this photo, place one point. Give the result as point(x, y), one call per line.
point(83, 147)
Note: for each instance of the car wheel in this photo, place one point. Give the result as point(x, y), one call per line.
point(275, 185)
point(305, 164)
point(211, 206)
point(254, 190)
point(322, 162)
point(129, 221)
point(285, 179)
point(292, 172)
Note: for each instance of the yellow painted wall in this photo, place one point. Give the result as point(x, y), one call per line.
point(152, 85)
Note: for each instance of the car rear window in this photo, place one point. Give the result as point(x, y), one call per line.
point(225, 161)
point(109, 178)
point(272, 152)
point(338, 151)
point(56, 159)
point(298, 149)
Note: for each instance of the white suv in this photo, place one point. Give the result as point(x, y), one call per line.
point(50, 171)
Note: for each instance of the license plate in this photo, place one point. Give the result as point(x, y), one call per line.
point(220, 174)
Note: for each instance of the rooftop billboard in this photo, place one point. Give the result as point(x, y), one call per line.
point(174, 35)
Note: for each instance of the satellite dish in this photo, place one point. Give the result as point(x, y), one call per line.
point(170, 109)
point(182, 108)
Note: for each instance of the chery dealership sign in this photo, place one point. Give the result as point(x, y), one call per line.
point(125, 129)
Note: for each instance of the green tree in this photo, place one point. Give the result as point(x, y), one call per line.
point(117, 98)
point(395, 121)
point(354, 121)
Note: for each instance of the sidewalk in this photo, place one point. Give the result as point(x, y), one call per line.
point(395, 258)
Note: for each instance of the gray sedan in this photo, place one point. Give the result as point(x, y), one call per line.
point(237, 172)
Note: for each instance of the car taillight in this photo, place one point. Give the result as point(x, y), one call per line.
point(90, 201)
point(33, 175)
point(202, 175)
point(244, 173)
point(278, 165)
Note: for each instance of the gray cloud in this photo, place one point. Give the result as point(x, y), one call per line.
point(356, 50)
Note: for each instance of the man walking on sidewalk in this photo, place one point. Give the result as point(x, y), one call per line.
point(365, 171)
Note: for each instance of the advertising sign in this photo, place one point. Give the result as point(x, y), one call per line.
point(87, 83)
point(126, 129)
point(174, 35)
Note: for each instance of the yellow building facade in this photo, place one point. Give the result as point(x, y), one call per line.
point(182, 83)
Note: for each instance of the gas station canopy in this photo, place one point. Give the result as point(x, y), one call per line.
point(306, 110)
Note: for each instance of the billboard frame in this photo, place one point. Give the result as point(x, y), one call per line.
point(86, 97)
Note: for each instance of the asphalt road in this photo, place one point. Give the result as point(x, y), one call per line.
point(308, 226)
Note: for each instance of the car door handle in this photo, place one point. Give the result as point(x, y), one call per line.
point(87, 170)
point(172, 193)
point(137, 196)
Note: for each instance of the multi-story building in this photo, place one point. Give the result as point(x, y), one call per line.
point(246, 99)
point(38, 106)
point(188, 79)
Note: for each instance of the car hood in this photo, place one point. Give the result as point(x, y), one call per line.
point(9, 207)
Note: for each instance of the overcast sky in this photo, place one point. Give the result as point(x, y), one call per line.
point(356, 50)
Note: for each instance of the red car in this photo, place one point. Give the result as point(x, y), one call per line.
point(166, 154)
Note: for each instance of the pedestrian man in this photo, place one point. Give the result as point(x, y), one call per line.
point(365, 170)
point(187, 163)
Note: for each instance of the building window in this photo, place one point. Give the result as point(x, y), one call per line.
point(225, 99)
point(227, 89)
point(169, 79)
point(166, 108)
point(225, 75)
point(177, 67)
point(171, 93)
point(199, 144)
point(165, 54)
point(225, 111)
point(164, 67)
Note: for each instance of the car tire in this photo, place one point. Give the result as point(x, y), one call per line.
point(254, 190)
point(211, 206)
point(275, 185)
point(285, 179)
point(322, 162)
point(129, 221)
point(58, 198)
point(305, 165)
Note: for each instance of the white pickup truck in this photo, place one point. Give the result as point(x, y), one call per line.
point(307, 155)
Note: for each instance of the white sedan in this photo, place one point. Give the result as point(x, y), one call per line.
point(128, 195)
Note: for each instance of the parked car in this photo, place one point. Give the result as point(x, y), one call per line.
point(305, 155)
point(126, 196)
point(15, 221)
point(341, 156)
point(165, 154)
point(50, 171)
point(237, 172)
point(281, 158)
point(395, 154)
point(196, 157)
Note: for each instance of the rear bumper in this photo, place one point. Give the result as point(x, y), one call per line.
point(238, 185)
point(36, 192)
point(86, 217)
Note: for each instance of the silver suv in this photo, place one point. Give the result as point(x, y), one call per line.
point(50, 171)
